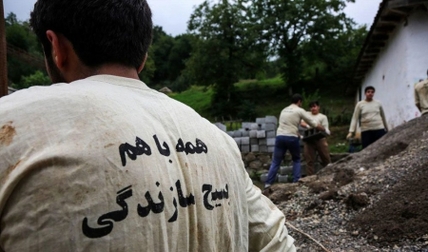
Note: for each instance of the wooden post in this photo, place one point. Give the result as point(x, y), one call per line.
point(3, 54)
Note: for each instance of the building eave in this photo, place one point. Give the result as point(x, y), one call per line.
point(391, 13)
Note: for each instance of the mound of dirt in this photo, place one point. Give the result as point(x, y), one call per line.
point(373, 200)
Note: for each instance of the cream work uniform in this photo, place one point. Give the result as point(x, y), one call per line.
point(108, 164)
point(421, 96)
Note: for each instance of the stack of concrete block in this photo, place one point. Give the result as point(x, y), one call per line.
point(258, 136)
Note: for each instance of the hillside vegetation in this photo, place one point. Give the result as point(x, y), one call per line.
point(268, 97)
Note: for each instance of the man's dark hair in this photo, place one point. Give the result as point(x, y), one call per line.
point(296, 98)
point(369, 88)
point(107, 31)
point(313, 103)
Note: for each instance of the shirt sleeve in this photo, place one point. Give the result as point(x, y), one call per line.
point(382, 114)
point(267, 230)
point(357, 111)
point(324, 123)
point(308, 120)
point(417, 101)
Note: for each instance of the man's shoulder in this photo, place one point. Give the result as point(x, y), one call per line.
point(361, 103)
point(321, 115)
point(31, 95)
point(421, 84)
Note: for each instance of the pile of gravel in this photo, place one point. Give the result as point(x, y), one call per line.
point(374, 200)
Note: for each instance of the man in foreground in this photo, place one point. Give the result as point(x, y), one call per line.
point(288, 138)
point(369, 113)
point(100, 162)
point(320, 146)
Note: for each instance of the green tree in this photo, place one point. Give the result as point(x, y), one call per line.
point(25, 54)
point(179, 53)
point(286, 25)
point(161, 48)
point(146, 75)
point(38, 78)
point(221, 52)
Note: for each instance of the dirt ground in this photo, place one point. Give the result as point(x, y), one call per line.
point(384, 188)
point(402, 212)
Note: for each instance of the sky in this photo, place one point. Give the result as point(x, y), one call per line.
point(173, 15)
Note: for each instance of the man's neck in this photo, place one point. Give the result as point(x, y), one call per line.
point(117, 70)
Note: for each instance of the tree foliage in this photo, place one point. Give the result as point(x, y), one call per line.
point(224, 49)
point(24, 41)
point(287, 25)
point(38, 78)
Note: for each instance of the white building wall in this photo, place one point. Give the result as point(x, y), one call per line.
point(400, 64)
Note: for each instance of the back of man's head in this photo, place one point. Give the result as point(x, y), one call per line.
point(296, 98)
point(101, 31)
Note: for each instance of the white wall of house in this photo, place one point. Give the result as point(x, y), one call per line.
point(400, 64)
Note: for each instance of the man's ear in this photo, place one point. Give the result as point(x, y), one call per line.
point(142, 64)
point(60, 49)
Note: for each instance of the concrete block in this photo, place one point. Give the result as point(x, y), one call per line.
point(263, 177)
point(245, 148)
point(237, 140)
point(245, 133)
point(254, 126)
point(271, 149)
point(237, 133)
point(253, 133)
point(261, 134)
point(245, 140)
point(271, 119)
point(230, 133)
point(270, 141)
point(246, 125)
point(262, 141)
point(283, 170)
point(283, 178)
point(255, 148)
point(221, 126)
point(263, 148)
point(270, 126)
point(254, 141)
point(260, 120)
point(263, 126)
point(270, 134)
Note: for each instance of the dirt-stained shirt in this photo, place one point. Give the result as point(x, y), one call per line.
point(108, 164)
point(290, 118)
point(370, 115)
point(421, 96)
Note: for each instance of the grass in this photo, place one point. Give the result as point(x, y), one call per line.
point(196, 97)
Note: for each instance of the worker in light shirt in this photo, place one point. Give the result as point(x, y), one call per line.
point(421, 96)
point(319, 146)
point(288, 138)
point(370, 114)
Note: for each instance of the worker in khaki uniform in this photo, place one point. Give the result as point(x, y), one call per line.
point(101, 162)
point(288, 138)
point(421, 96)
point(320, 145)
point(369, 113)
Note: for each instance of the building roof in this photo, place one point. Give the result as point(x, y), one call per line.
point(391, 13)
